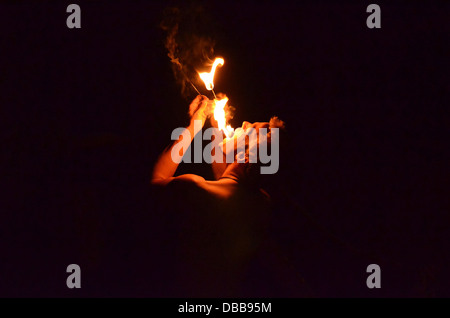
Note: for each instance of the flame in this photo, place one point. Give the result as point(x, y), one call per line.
point(220, 116)
point(208, 78)
point(219, 104)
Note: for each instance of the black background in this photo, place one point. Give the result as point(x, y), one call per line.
point(85, 112)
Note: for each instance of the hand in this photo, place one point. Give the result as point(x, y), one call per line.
point(200, 109)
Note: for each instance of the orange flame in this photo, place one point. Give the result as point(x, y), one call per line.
point(208, 78)
point(219, 104)
point(220, 116)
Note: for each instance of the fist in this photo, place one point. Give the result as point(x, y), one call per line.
point(200, 108)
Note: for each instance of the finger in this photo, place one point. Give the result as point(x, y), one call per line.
point(195, 104)
point(200, 99)
point(204, 104)
point(197, 100)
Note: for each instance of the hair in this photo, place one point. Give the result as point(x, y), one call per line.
point(276, 122)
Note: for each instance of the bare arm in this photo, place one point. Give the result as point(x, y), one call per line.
point(165, 167)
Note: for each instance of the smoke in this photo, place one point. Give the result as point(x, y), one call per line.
point(189, 46)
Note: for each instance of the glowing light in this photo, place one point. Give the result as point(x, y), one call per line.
point(220, 117)
point(208, 78)
point(219, 104)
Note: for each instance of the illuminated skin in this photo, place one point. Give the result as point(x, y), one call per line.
point(227, 175)
point(222, 220)
point(234, 170)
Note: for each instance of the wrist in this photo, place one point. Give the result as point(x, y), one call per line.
point(196, 124)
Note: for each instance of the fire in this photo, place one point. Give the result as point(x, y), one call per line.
point(208, 78)
point(220, 116)
point(219, 104)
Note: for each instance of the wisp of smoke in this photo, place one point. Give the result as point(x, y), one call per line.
point(188, 45)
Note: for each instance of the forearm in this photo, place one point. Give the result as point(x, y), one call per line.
point(165, 166)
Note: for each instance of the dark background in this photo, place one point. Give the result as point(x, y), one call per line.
point(85, 112)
